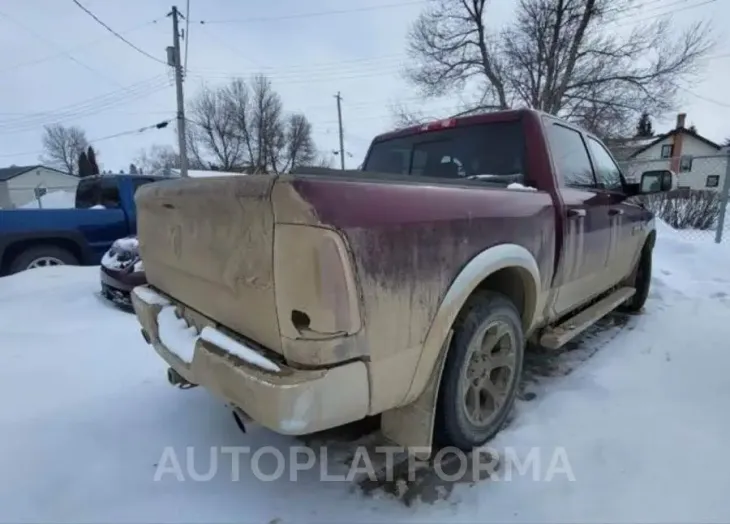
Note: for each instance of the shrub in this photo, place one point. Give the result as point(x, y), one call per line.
point(686, 209)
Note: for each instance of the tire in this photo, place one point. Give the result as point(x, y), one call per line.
point(484, 315)
point(27, 258)
point(641, 280)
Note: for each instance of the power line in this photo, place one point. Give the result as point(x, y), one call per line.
point(73, 49)
point(305, 71)
point(159, 125)
point(222, 43)
point(120, 37)
point(670, 12)
point(90, 106)
point(316, 13)
point(701, 97)
point(52, 44)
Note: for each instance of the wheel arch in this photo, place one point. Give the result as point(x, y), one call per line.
point(509, 269)
point(14, 247)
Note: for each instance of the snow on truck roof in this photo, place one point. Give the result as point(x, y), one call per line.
point(197, 173)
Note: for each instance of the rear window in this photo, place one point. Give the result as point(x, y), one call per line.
point(493, 152)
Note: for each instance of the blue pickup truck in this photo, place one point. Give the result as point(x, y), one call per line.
point(104, 212)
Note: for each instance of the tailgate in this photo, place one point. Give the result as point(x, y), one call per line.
point(209, 244)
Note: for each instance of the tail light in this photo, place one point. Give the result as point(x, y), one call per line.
point(317, 298)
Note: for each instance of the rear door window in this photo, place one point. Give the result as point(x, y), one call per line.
point(570, 156)
point(492, 152)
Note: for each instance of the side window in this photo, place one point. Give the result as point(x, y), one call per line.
point(88, 193)
point(571, 157)
point(607, 172)
point(110, 193)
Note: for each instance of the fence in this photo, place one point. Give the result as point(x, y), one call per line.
point(698, 207)
point(37, 197)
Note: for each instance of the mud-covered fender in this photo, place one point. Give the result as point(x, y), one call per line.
point(474, 273)
point(411, 424)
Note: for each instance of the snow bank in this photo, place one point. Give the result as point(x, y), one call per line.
point(53, 200)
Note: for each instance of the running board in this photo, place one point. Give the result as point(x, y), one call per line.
point(558, 336)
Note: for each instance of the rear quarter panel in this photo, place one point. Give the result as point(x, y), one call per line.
point(409, 239)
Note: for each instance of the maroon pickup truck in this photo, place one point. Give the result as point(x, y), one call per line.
point(408, 288)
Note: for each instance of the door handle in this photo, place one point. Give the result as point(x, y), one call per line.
point(579, 213)
point(615, 212)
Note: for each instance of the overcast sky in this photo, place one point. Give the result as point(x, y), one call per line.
point(58, 65)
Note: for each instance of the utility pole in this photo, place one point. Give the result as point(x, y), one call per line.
point(342, 141)
point(173, 58)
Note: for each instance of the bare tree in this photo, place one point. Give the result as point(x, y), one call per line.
point(158, 159)
point(243, 127)
point(62, 147)
point(215, 129)
point(406, 117)
point(565, 57)
point(294, 147)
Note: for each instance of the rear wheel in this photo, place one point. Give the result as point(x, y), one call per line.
point(42, 256)
point(481, 373)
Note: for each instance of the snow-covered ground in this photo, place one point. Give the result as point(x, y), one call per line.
point(86, 416)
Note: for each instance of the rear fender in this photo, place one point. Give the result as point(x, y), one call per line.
point(411, 424)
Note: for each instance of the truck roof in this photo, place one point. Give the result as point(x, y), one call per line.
point(480, 118)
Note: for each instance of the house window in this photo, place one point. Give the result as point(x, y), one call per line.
point(685, 164)
point(712, 181)
point(667, 150)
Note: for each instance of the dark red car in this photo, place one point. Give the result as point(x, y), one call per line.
point(121, 271)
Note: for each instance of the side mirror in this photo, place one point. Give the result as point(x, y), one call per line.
point(656, 181)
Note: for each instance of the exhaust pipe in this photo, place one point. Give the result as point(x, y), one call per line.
point(241, 418)
point(177, 380)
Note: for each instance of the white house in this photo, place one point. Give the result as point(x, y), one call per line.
point(18, 184)
point(699, 162)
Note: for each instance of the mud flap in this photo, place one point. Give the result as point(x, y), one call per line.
point(412, 426)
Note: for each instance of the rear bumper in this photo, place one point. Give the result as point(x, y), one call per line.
point(289, 401)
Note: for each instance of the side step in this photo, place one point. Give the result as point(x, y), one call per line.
point(558, 336)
